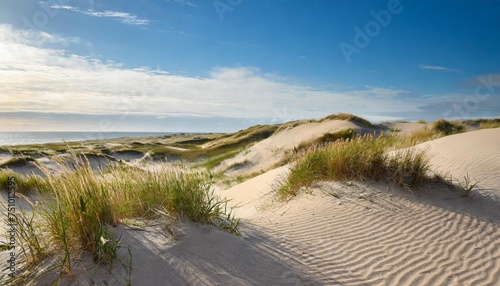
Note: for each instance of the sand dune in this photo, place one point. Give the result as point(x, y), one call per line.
point(370, 235)
point(350, 233)
point(250, 197)
point(374, 235)
point(476, 153)
point(265, 154)
point(357, 233)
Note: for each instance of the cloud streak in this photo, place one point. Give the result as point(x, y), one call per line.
point(438, 68)
point(184, 2)
point(123, 17)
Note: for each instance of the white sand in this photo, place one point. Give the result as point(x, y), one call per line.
point(476, 153)
point(407, 127)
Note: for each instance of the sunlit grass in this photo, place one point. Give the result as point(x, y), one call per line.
point(447, 127)
point(361, 158)
point(23, 183)
point(348, 117)
point(82, 205)
point(490, 124)
point(214, 162)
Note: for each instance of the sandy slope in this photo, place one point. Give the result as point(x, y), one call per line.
point(406, 127)
point(250, 197)
point(266, 153)
point(373, 235)
point(476, 153)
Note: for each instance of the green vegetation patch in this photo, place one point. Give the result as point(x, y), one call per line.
point(17, 162)
point(244, 137)
point(214, 162)
point(82, 204)
point(485, 123)
point(23, 184)
point(362, 158)
point(349, 117)
point(490, 124)
point(328, 138)
point(447, 128)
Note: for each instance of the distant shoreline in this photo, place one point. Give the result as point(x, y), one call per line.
point(42, 137)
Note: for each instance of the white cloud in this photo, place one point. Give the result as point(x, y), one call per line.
point(439, 68)
point(37, 79)
point(120, 16)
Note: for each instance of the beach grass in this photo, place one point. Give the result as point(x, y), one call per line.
point(363, 158)
point(17, 161)
point(349, 117)
point(489, 123)
point(446, 127)
point(24, 184)
point(215, 161)
point(82, 206)
point(328, 138)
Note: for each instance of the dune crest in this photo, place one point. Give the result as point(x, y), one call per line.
point(265, 154)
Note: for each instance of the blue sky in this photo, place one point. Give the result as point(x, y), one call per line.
point(223, 65)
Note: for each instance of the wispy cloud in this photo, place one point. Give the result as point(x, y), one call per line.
point(123, 17)
point(40, 39)
point(39, 79)
point(184, 2)
point(439, 68)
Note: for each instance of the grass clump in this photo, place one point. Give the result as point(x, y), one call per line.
point(332, 137)
point(23, 184)
point(83, 205)
point(349, 117)
point(467, 185)
point(490, 123)
point(363, 158)
point(447, 128)
point(328, 138)
point(417, 136)
point(214, 162)
point(17, 162)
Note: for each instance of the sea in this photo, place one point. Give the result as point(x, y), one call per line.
point(25, 138)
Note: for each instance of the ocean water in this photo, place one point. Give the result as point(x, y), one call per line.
point(22, 138)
